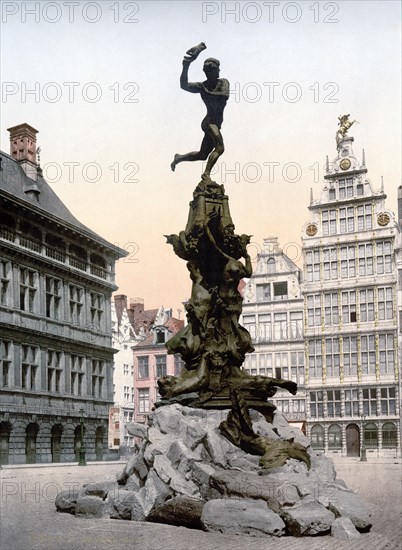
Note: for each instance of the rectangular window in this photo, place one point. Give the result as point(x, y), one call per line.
point(281, 365)
point(29, 367)
point(366, 261)
point(316, 404)
point(351, 403)
point(264, 328)
point(332, 357)
point(143, 366)
point(5, 283)
point(314, 310)
point(77, 374)
point(98, 376)
point(370, 401)
point(334, 403)
point(76, 299)
point(97, 308)
point(366, 298)
point(330, 263)
point(388, 401)
point(161, 369)
point(312, 265)
point(315, 358)
point(331, 308)
point(249, 324)
point(296, 325)
point(53, 297)
point(54, 371)
point(349, 307)
point(348, 261)
point(364, 217)
point(264, 293)
point(385, 303)
point(5, 363)
point(350, 355)
point(384, 258)
point(280, 326)
point(178, 365)
point(280, 290)
point(265, 364)
point(28, 289)
point(367, 353)
point(386, 353)
point(143, 400)
point(297, 367)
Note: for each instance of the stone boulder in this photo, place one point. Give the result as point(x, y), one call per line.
point(308, 518)
point(90, 507)
point(343, 528)
point(241, 517)
point(180, 510)
point(66, 501)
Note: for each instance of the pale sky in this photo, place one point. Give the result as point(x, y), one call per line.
point(108, 103)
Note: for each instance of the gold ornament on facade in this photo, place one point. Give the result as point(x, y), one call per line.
point(383, 219)
point(345, 164)
point(311, 230)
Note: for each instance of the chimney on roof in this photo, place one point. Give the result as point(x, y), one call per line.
point(137, 305)
point(23, 148)
point(120, 303)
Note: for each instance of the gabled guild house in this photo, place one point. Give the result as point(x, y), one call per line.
point(56, 356)
point(350, 289)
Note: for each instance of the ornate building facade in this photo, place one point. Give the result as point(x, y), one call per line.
point(56, 280)
point(273, 314)
point(351, 313)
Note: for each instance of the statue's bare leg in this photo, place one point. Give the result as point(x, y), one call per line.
point(207, 146)
point(219, 148)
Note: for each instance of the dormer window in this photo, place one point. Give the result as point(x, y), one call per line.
point(160, 336)
point(331, 194)
point(271, 265)
point(359, 189)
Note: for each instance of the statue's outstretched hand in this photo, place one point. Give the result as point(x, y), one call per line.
point(194, 52)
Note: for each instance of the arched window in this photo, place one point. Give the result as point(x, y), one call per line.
point(389, 435)
point(271, 265)
point(317, 437)
point(370, 436)
point(335, 437)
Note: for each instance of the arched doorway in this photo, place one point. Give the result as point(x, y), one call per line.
point(5, 429)
point(57, 430)
point(352, 440)
point(99, 443)
point(31, 434)
point(317, 437)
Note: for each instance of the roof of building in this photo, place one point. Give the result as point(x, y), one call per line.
point(173, 325)
point(14, 181)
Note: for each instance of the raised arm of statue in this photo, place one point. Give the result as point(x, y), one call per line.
point(193, 87)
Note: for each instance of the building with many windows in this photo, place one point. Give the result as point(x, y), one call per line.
point(151, 362)
point(350, 300)
point(273, 315)
point(56, 278)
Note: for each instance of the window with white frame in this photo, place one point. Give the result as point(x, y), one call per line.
point(316, 404)
point(143, 400)
point(297, 367)
point(28, 289)
point(315, 358)
point(178, 364)
point(334, 403)
point(265, 364)
point(388, 401)
point(249, 324)
point(384, 258)
point(314, 310)
point(370, 401)
point(367, 353)
point(351, 402)
point(366, 261)
point(329, 222)
point(312, 265)
point(143, 366)
point(366, 299)
point(330, 263)
point(348, 261)
point(332, 357)
point(125, 369)
point(345, 186)
point(161, 367)
point(364, 217)
point(346, 220)
point(29, 367)
point(349, 306)
point(350, 355)
point(331, 308)
point(263, 292)
point(385, 303)
point(5, 283)
point(98, 377)
point(386, 353)
point(53, 297)
point(282, 365)
point(280, 326)
point(264, 327)
point(296, 325)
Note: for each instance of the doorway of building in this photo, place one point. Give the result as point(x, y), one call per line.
point(5, 429)
point(31, 434)
point(352, 440)
point(56, 443)
point(99, 443)
point(77, 442)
